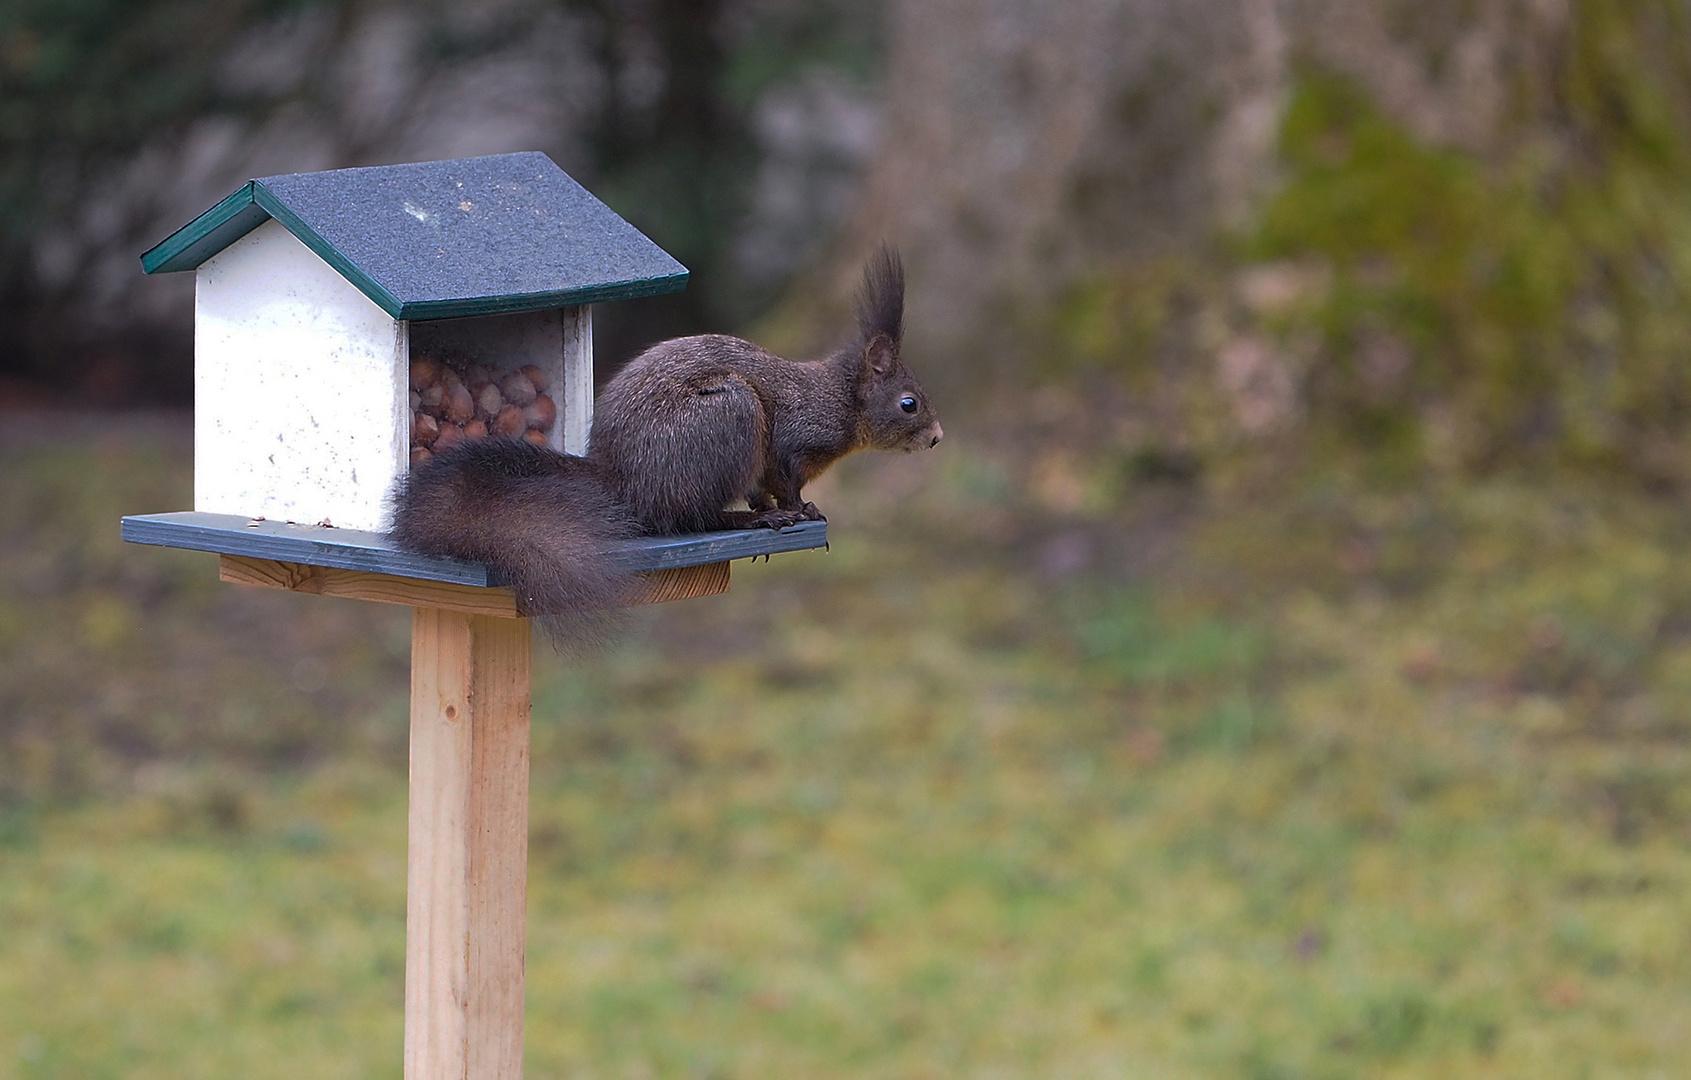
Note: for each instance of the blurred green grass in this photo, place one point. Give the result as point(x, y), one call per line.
point(1042, 771)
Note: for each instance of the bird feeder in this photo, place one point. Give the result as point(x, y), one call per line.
point(314, 295)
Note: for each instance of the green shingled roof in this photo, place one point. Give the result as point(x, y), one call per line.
point(441, 239)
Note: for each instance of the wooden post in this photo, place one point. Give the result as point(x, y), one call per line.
point(467, 863)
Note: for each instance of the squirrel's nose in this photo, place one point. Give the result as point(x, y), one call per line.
point(939, 433)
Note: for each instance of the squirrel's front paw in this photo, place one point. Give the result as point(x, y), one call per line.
point(776, 519)
point(810, 513)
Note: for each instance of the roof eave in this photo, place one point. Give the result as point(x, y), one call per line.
point(206, 235)
point(513, 302)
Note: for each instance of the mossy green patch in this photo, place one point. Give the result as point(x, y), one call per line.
point(1416, 303)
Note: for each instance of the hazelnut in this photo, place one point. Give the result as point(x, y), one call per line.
point(416, 400)
point(431, 398)
point(517, 389)
point(450, 435)
point(509, 421)
point(475, 429)
point(538, 438)
point(459, 405)
point(419, 455)
point(424, 373)
point(424, 430)
point(538, 377)
point(488, 402)
point(540, 413)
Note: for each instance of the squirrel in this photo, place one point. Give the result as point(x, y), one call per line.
point(686, 428)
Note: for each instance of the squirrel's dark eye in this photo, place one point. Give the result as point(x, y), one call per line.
point(907, 403)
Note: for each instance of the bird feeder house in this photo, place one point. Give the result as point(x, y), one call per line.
point(346, 324)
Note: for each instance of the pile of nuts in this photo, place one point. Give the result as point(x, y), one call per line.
point(453, 400)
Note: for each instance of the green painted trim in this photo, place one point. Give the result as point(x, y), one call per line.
point(326, 251)
point(513, 302)
point(206, 235)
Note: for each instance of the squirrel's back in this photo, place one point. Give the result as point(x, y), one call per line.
point(680, 432)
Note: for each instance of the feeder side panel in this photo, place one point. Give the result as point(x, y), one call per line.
point(575, 413)
point(300, 409)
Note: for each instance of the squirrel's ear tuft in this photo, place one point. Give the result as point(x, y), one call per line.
point(880, 354)
point(880, 300)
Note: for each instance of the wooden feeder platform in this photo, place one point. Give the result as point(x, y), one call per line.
point(367, 566)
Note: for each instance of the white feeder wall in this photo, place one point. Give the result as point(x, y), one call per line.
point(300, 409)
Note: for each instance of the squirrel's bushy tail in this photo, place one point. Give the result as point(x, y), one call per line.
point(541, 518)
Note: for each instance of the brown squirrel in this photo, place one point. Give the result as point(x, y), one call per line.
point(687, 427)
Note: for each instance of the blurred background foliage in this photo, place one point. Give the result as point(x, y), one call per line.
point(1280, 670)
point(1450, 235)
point(123, 120)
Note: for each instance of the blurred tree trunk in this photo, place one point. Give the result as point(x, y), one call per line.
point(1027, 144)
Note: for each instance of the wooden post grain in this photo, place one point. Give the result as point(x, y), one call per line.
point(467, 865)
